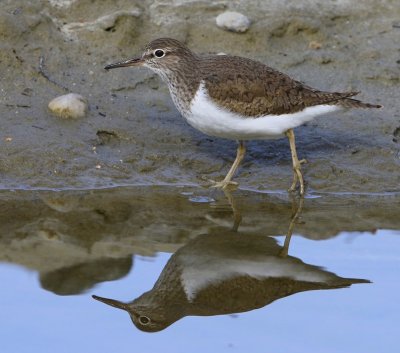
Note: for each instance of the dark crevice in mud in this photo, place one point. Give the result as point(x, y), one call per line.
point(396, 135)
point(106, 137)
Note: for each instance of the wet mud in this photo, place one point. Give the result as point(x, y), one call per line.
point(133, 135)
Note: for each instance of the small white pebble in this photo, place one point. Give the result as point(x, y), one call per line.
point(98, 166)
point(233, 21)
point(69, 106)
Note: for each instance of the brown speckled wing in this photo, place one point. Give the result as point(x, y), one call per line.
point(253, 89)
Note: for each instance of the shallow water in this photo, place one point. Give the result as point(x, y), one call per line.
point(225, 281)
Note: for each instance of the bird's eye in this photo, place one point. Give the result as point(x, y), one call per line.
point(144, 320)
point(159, 53)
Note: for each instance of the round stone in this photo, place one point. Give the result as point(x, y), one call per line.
point(233, 21)
point(69, 106)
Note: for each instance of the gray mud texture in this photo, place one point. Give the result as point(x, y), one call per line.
point(133, 135)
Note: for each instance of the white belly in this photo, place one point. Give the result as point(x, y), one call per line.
point(207, 117)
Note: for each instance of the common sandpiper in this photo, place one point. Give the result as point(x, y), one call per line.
point(238, 98)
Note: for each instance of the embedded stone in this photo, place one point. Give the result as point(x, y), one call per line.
point(233, 21)
point(69, 106)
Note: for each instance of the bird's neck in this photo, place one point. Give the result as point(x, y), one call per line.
point(183, 82)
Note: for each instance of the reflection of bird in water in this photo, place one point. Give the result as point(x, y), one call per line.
point(225, 273)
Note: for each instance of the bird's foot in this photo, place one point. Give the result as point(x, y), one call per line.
point(299, 186)
point(224, 185)
point(298, 181)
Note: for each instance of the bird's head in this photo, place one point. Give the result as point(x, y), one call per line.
point(162, 55)
point(148, 318)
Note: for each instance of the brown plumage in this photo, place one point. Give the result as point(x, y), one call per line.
point(253, 89)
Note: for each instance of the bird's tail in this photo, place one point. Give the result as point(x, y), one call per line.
point(345, 101)
point(355, 103)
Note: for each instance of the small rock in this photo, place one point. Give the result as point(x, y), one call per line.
point(61, 3)
point(233, 21)
point(69, 106)
point(314, 45)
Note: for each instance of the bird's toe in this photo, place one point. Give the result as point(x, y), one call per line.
point(224, 185)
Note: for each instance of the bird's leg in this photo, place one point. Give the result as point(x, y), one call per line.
point(228, 179)
point(296, 211)
point(297, 175)
point(237, 216)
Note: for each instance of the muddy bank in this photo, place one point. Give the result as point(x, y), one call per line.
point(78, 238)
point(133, 134)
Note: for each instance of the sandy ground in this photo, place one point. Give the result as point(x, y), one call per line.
point(134, 134)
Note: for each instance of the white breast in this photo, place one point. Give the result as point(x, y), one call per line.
point(214, 120)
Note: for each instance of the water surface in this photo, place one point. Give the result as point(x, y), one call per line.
point(212, 255)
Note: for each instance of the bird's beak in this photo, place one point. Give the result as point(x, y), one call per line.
point(130, 62)
point(112, 302)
